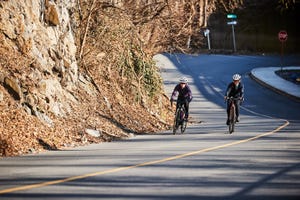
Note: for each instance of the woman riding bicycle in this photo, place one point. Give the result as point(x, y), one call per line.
point(235, 89)
point(184, 95)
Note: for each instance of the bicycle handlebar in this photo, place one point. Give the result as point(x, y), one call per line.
point(233, 98)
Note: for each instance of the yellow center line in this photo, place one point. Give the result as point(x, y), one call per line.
point(27, 187)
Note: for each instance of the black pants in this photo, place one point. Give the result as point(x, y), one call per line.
point(185, 104)
point(237, 108)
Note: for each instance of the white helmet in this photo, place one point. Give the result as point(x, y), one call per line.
point(183, 80)
point(236, 77)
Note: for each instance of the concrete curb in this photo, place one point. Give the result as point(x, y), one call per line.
point(260, 80)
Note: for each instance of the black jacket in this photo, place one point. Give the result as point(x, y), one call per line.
point(235, 91)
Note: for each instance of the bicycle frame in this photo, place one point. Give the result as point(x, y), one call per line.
point(179, 119)
point(232, 114)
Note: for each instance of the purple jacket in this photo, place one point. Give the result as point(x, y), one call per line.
point(183, 94)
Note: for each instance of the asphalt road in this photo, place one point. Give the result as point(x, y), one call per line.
point(261, 160)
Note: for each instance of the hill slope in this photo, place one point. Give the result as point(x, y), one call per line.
point(54, 89)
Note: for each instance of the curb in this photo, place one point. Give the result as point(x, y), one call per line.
point(261, 82)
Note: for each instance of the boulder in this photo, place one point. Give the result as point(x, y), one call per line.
point(51, 15)
point(91, 132)
point(13, 88)
point(1, 96)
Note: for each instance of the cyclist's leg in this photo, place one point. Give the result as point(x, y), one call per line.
point(186, 107)
point(176, 117)
point(228, 110)
point(177, 104)
point(237, 109)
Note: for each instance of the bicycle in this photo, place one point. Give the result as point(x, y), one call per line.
point(232, 113)
point(179, 119)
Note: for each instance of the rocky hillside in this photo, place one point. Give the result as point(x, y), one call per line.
point(61, 87)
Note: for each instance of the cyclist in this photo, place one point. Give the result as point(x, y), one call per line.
point(235, 89)
point(184, 93)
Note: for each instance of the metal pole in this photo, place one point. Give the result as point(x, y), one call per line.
point(281, 56)
point(188, 42)
point(208, 41)
point(233, 38)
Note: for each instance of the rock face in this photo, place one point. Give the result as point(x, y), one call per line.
point(38, 77)
point(43, 32)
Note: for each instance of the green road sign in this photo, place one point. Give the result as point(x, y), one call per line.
point(231, 16)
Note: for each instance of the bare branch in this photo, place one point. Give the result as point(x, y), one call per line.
point(86, 29)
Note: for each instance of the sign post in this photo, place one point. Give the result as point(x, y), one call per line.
point(282, 36)
point(232, 23)
point(206, 34)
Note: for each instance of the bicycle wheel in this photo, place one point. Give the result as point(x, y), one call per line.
point(231, 127)
point(183, 122)
point(183, 126)
point(231, 119)
point(176, 121)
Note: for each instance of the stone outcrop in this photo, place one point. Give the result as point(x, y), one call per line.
point(13, 87)
point(41, 31)
point(51, 14)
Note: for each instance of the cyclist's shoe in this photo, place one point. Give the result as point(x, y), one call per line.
point(227, 122)
point(237, 119)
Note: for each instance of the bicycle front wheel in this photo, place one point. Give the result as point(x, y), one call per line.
point(231, 127)
point(183, 122)
point(183, 126)
point(174, 126)
point(176, 121)
point(231, 119)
